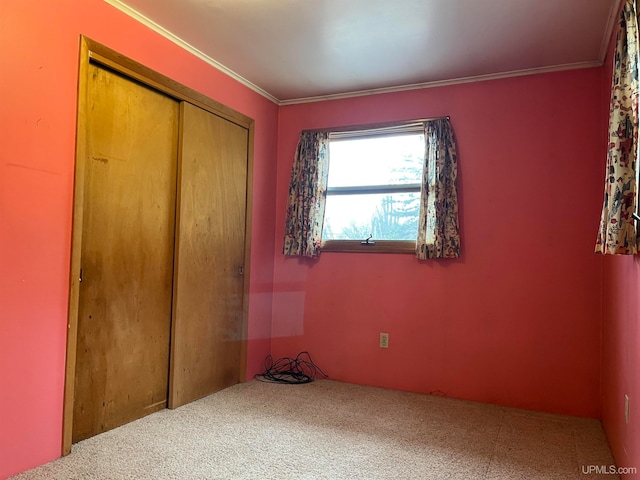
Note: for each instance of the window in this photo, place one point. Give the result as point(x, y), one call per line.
point(376, 188)
point(373, 189)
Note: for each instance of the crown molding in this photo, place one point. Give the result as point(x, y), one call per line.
point(615, 8)
point(188, 47)
point(614, 11)
point(444, 83)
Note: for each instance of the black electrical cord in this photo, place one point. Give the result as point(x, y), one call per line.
point(290, 371)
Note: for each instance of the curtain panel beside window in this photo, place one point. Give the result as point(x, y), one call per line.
point(618, 234)
point(307, 195)
point(438, 230)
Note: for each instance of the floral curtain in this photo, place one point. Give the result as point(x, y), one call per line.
point(307, 195)
point(617, 233)
point(438, 231)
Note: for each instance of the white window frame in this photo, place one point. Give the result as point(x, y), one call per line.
point(380, 246)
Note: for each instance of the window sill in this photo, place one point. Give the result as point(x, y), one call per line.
point(381, 246)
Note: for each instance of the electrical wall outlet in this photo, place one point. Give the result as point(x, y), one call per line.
point(384, 340)
point(626, 408)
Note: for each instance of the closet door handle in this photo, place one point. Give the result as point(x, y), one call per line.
point(241, 271)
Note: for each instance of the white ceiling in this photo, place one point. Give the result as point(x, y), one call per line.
point(295, 50)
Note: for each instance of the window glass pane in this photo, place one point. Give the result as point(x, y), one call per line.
point(384, 160)
point(386, 216)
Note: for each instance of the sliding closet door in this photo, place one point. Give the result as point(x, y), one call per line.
point(125, 299)
point(208, 289)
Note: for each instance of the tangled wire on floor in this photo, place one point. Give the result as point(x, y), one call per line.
point(289, 370)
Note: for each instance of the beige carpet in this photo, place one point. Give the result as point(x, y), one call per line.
point(331, 430)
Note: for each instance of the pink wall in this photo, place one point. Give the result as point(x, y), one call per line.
point(516, 320)
point(621, 358)
point(620, 334)
point(39, 45)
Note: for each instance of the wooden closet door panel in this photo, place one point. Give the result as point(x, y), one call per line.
point(124, 318)
point(208, 290)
